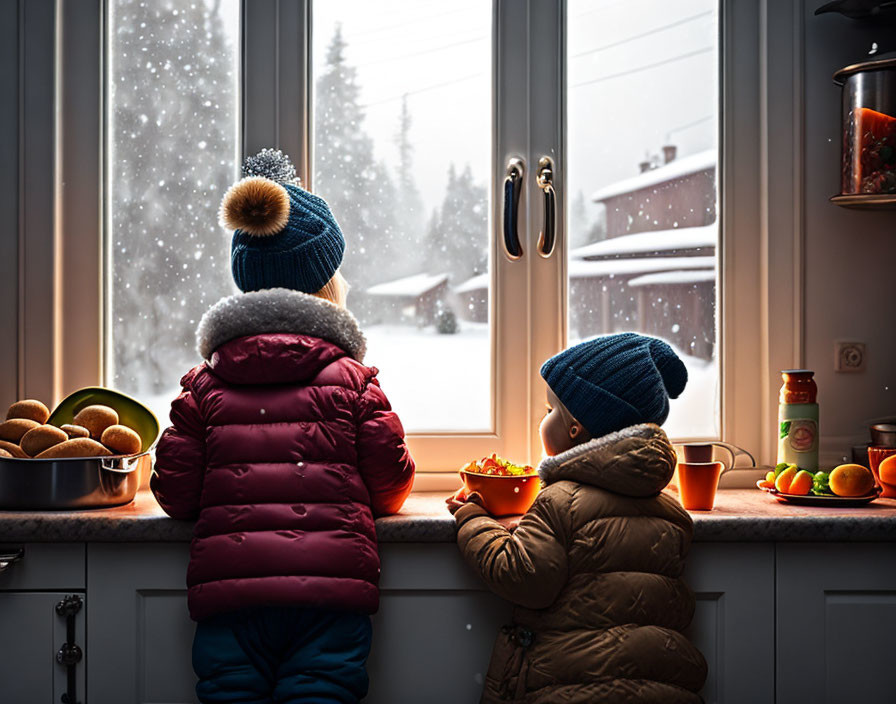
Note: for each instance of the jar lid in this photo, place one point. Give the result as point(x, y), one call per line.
point(874, 65)
point(797, 371)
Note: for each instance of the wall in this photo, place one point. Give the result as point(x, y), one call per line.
point(850, 255)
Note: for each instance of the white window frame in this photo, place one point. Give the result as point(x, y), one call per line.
point(51, 293)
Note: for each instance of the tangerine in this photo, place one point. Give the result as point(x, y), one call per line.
point(851, 480)
point(887, 470)
point(782, 483)
point(801, 483)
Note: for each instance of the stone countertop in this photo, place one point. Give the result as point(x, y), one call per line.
point(740, 515)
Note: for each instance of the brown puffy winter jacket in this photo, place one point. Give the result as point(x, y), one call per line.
point(594, 570)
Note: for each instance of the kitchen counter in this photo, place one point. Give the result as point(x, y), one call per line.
point(741, 515)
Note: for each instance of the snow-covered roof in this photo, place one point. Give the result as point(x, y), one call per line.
point(473, 284)
point(582, 269)
point(410, 286)
point(666, 278)
point(646, 242)
point(674, 169)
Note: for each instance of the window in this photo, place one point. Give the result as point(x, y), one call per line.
point(438, 100)
point(172, 87)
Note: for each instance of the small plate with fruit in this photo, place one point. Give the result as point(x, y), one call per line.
point(506, 488)
point(846, 485)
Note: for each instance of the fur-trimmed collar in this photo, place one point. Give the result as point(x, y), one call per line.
point(278, 310)
point(635, 461)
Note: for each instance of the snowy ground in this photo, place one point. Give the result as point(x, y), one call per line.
point(438, 382)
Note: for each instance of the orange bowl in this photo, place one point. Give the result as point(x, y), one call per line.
point(503, 496)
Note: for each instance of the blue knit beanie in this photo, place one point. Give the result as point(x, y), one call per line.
point(284, 236)
point(614, 381)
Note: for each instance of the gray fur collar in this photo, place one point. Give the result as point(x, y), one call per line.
point(278, 310)
point(635, 461)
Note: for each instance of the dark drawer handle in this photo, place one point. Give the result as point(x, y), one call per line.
point(7, 558)
point(69, 653)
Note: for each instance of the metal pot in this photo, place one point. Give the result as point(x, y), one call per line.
point(71, 483)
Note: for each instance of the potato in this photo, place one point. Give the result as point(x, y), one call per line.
point(30, 409)
point(13, 430)
point(41, 438)
point(13, 449)
point(79, 447)
point(121, 440)
point(96, 419)
point(4, 453)
point(75, 431)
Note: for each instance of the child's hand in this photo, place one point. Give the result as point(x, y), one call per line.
point(459, 498)
point(511, 523)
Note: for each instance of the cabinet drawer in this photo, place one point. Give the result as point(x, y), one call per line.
point(44, 566)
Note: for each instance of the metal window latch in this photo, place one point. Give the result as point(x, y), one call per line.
point(69, 654)
point(513, 188)
point(544, 179)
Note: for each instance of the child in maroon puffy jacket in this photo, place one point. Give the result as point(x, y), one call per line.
point(285, 449)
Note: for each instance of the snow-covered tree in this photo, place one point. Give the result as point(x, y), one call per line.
point(173, 133)
point(410, 205)
point(457, 236)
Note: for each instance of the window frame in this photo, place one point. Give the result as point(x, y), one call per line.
point(60, 250)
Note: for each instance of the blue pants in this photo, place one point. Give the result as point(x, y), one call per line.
point(282, 654)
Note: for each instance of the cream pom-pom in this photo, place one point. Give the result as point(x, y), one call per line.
point(256, 206)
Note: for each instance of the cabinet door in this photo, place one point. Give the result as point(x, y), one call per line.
point(433, 634)
point(32, 633)
point(140, 634)
point(734, 622)
point(836, 622)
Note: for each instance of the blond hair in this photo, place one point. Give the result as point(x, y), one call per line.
point(335, 290)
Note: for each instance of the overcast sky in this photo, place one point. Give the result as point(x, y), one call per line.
point(641, 73)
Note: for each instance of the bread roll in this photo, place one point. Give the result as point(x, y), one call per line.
point(13, 449)
point(96, 419)
point(121, 440)
point(30, 409)
point(42, 438)
point(79, 447)
point(13, 430)
point(75, 431)
point(4, 453)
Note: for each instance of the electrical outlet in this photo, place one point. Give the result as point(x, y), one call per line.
point(849, 356)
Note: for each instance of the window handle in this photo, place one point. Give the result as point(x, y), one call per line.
point(513, 185)
point(544, 178)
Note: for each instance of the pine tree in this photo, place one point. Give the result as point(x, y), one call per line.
point(409, 208)
point(358, 189)
point(460, 235)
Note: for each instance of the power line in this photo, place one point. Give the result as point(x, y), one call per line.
point(425, 89)
point(646, 67)
point(690, 124)
point(422, 52)
point(649, 32)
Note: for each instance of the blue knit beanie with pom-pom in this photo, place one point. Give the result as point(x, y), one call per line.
point(284, 236)
point(614, 381)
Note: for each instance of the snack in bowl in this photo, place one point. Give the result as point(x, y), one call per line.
point(506, 488)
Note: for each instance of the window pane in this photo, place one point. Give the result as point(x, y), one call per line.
point(173, 104)
point(401, 152)
point(642, 205)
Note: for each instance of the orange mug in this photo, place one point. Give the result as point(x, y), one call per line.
point(697, 484)
point(876, 455)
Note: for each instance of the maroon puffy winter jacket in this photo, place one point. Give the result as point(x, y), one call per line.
point(285, 448)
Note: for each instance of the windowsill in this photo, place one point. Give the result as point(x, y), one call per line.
point(740, 515)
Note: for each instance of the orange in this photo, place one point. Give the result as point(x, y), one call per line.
point(766, 484)
point(801, 483)
point(887, 470)
point(851, 480)
point(782, 483)
point(770, 477)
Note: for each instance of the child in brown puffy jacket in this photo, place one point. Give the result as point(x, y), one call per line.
point(594, 568)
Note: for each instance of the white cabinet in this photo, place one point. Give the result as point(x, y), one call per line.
point(433, 634)
point(734, 623)
point(836, 623)
point(32, 630)
point(140, 633)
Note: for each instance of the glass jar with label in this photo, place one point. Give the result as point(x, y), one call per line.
point(798, 420)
